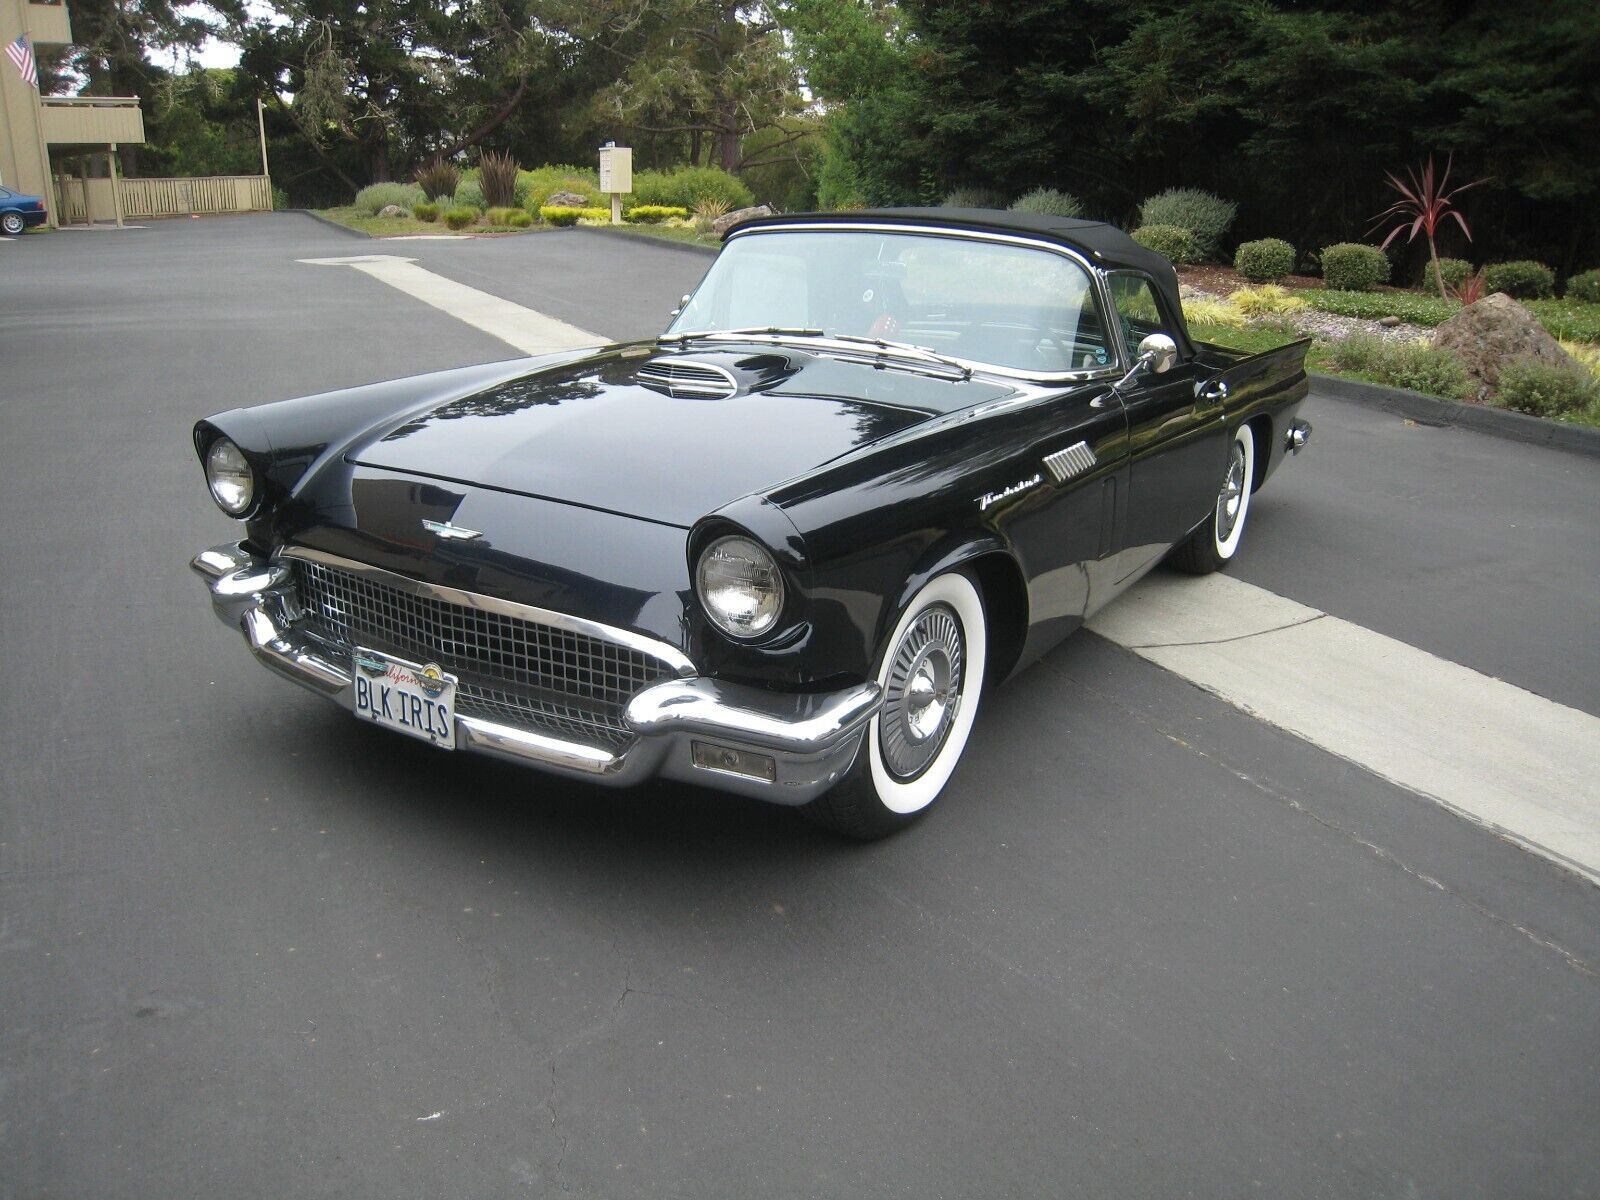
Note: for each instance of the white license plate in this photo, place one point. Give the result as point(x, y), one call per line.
point(412, 699)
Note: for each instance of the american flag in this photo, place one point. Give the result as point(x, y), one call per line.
point(20, 53)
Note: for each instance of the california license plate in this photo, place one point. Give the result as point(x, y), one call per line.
point(409, 698)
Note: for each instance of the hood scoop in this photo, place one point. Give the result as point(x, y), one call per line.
point(686, 378)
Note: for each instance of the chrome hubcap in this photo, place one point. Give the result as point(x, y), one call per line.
point(1232, 498)
point(922, 694)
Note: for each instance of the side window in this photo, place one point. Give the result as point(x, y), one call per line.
point(1137, 307)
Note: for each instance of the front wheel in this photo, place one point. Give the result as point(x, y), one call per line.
point(12, 223)
point(1213, 545)
point(931, 674)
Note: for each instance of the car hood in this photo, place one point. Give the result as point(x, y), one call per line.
point(663, 435)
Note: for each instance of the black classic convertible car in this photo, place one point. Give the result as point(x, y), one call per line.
point(879, 462)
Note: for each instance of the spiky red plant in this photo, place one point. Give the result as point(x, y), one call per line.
point(1426, 202)
point(1471, 289)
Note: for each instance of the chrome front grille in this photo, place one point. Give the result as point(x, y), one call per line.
point(513, 670)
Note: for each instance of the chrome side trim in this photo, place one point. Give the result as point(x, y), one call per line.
point(671, 655)
point(788, 722)
point(1071, 462)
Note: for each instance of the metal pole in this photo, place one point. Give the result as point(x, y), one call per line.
point(261, 128)
point(116, 183)
point(83, 182)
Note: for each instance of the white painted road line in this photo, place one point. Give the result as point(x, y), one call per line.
point(530, 332)
point(1516, 762)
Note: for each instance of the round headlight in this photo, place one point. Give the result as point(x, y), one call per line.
point(740, 587)
point(233, 484)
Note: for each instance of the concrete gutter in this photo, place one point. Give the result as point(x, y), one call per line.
point(1431, 410)
point(330, 223)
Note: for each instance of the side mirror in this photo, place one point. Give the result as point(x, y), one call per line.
point(1158, 352)
point(683, 303)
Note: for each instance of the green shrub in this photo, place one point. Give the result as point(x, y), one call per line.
point(1410, 307)
point(1585, 287)
point(461, 216)
point(535, 187)
point(685, 188)
point(1422, 368)
point(562, 216)
point(518, 218)
point(1171, 241)
point(1264, 261)
point(1048, 201)
point(280, 199)
point(1523, 279)
point(1205, 216)
point(1569, 319)
point(1414, 365)
point(439, 179)
point(973, 197)
point(1456, 271)
point(376, 196)
point(469, 195)
point(595, 214)
point(1352, 267)
point(425, 211)
point(500, 215)
point(651, 214)
point(1545, 390)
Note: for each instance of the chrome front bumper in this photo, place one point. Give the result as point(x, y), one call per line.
point(784, 748)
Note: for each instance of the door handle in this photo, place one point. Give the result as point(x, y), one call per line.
point(1103, 401)
point(1214, 392)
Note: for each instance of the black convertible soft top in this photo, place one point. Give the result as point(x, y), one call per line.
point(1104, 245)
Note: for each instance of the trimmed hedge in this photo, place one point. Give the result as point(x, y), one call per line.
point(519, 219)
point(1524, 279)
point(1352, 267)
point(651, 214)
point(1171, 241)
point(500, 215)
point(561, 216)
point(1205, 216)
point(426, 211)
point(1049, 201)
point(1456, 271)
point(1264, 261)
point(461, 216)
point(376, 196)
point(1585, 287)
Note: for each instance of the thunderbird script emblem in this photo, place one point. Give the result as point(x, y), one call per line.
point(454, 533)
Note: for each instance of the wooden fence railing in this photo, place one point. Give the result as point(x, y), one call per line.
point(167, 197)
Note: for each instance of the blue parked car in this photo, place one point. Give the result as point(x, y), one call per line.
point(18, 211)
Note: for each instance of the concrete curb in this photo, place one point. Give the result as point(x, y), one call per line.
point(331, 224)
point(664, 243)
point(1431, 410)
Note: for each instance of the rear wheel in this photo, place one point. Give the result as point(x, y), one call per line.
point(1213, 545)
point(12, 223)
point(931, 674)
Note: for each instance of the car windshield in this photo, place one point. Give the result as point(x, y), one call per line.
point(987, 303)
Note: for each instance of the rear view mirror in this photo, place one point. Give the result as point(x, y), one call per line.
point(1158, 352)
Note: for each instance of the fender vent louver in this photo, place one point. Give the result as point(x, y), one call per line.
point(682, 377)
point(1071, 462)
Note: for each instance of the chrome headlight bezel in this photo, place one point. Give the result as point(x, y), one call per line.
point(230, 478)
point(735, 565)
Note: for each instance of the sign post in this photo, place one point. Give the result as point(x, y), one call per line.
point(616, 176)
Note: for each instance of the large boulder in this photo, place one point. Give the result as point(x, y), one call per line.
point(1491, 333)
point(566, 200)
point(728, 220)
point(392, 210)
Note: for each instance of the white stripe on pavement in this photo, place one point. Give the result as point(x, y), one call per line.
point(528, 331)
point(1516, 762)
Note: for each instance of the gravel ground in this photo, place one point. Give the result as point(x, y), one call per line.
point(1327, 327)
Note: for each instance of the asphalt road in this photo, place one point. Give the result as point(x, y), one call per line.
point(1147, 946)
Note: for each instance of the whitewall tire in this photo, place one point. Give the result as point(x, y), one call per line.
point(1217, 539)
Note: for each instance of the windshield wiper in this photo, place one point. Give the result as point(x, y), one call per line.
point(907, 349)
point(763, 330)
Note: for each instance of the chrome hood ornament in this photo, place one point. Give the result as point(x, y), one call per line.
point(453, 533)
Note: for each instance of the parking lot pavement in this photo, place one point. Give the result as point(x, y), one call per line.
point(1148, 945)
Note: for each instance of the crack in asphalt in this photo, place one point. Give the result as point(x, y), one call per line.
point(1388, 857)
point(1238, 637)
